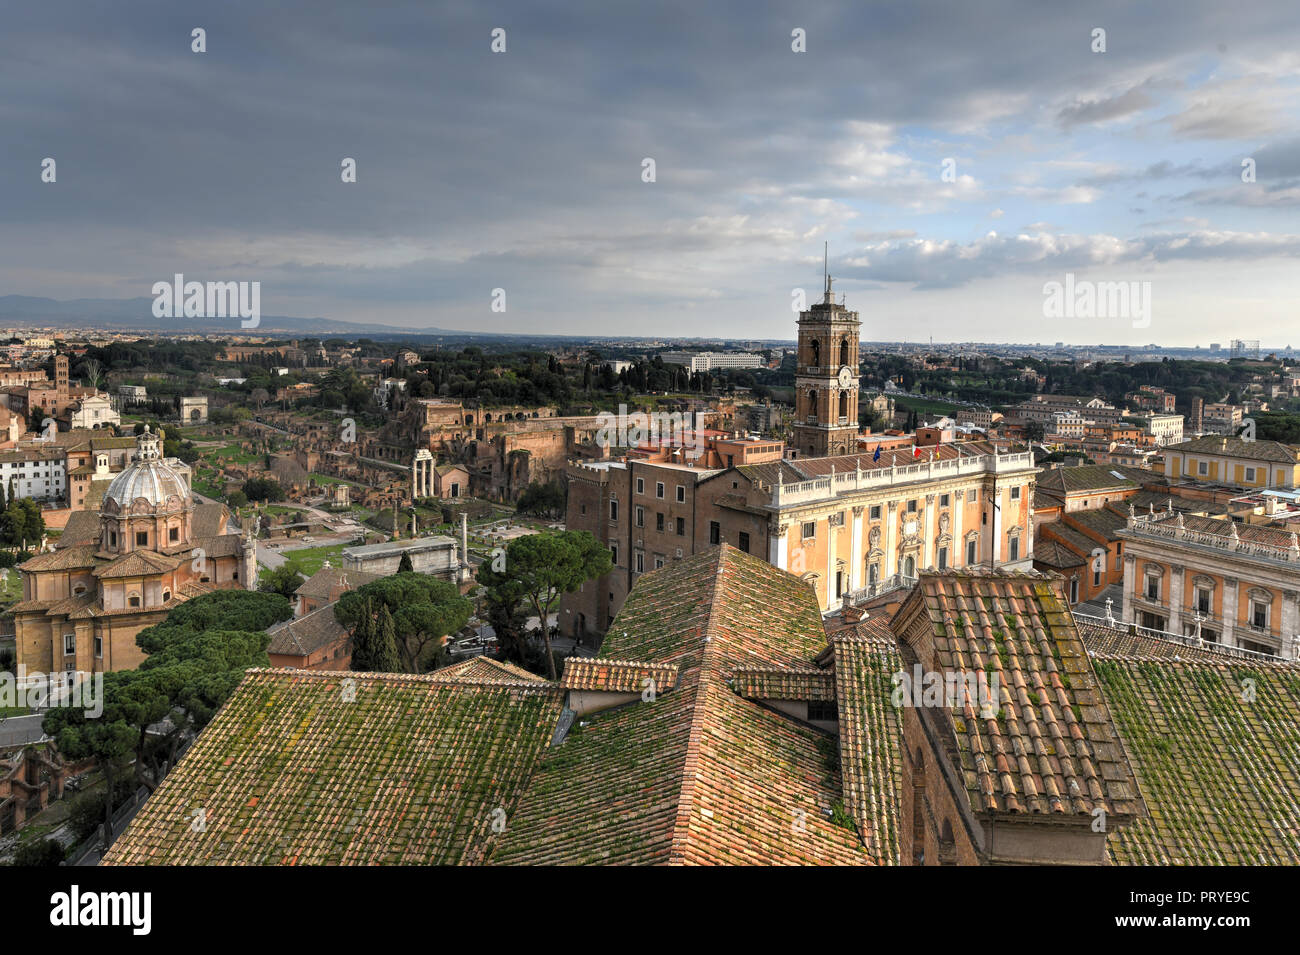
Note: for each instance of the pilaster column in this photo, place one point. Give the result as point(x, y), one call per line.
point(957, 557)
point(855, 550)
point(891, 566)
point(1290, 623)
point(1176, 572)
point(776, 545)
point(928, 528)
point(1230, 585)
point(1127, 615)
point(996, 552)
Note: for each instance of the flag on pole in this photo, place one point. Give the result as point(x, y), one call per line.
point(876, 456)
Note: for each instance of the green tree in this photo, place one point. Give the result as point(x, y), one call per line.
point(38, 853)
point(194, 659)
point(283, 580)
point(404, 565)
point(21, 522)
point(540, 567)
point(386, 658)
point(424, 611)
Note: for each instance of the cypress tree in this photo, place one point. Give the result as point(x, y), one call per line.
point(363, 639)
point(405, 566)
point(385, 658)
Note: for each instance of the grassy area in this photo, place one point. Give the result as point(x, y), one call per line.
point(326, 480)
point(311, 559)
point(8, 711)
point(926, 406)
point(233, 452)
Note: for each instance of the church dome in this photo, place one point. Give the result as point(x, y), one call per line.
point(147, 477)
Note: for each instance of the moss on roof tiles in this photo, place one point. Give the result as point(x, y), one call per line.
point(292, 772)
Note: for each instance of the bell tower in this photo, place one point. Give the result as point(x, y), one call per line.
point(826, 378)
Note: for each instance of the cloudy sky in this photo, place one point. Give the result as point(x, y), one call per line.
point(956, 156)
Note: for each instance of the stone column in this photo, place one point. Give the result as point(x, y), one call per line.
point(890, 563)
point(958, 559)
point(855, 550)
point(995, 555)
point(776, 545)
point(1290, 623)
point(1230, 585)
point(1176, 572)
point(927, 532)
point(1127, 614)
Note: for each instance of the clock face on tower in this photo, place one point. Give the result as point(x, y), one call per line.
point(846, 376)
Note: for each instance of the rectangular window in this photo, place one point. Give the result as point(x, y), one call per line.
point(173, 533)
point(743, 541)
point(1250, 475)
point(971, 552)
point(69, 643)
point(1259, 614)
point(613, 510)
point(875, 512)
point(613, 552)
point(681, 527)
point(1153, 587)
point(1015, 494)
point(1015, 549)
point(1074, 590)
point(640, 485)
point(715, 532)
point(659, 561)
point(911, 507)
point(99, 647)
point(141, 538)
point(943, 500)
point(1096, 577)
point(659, 521)
point(1202, 468)
point(822, 711)
point(681, 494)
point(640, 562)
point(1202, 600)
point(943, 558)
point(659, 489)
point(809, 529)
point(970, 496)
point(640, 517)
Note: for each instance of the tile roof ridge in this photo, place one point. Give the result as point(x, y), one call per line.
point(709, 665)
point(431, 677)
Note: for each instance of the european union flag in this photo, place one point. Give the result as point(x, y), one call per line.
point(876, 456)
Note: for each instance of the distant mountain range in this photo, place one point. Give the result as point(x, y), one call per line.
point(136, 314)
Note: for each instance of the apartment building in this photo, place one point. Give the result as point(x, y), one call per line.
point(1222, 582)
point(711, 360)
point(1223, 459)
point(1220, 418)
point(850, 525)
point(1164, 429)
point(1044, 408)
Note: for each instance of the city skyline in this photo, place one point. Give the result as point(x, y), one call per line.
point(956, 164)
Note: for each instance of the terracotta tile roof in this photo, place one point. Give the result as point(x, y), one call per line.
point(1236, 447)
point(1055, 554)
point(699, 774)
point(486, 672)
point(82, 528)
point(138, 563)
point(1051, 747)
point(866, 661)
point(222, 545)
point(1102, 640)
point(1091, 477)
point(296, 770)
point(1215, 748)
point(616, 676)
point(325, 581)
point(75, 557)
point(306, 634)
point(209, 519)
point(778, 683)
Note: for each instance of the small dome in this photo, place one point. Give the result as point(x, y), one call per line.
point(147, 477)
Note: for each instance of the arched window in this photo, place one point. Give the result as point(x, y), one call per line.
point(844, 404)
point(816, 352)
point(812, 402)
point(844, 351)
point(133, 600)
point(909, 566)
